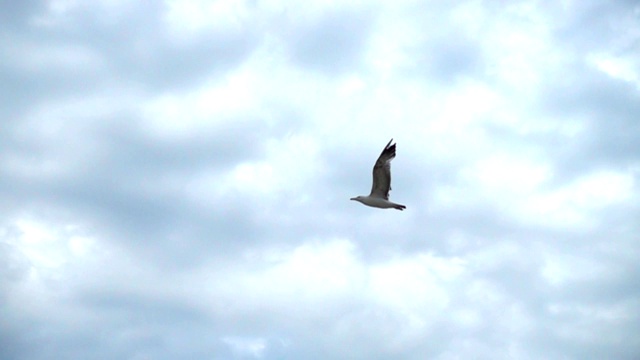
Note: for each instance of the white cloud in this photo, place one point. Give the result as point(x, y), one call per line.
point(578, 202)
point(619, 68)
point(193, 16)
point(176, 179)
point(246, 346)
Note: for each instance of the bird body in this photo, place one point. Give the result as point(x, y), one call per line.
point(379, 196)
point(378, 202)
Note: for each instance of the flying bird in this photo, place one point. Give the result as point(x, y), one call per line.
point(379, 196)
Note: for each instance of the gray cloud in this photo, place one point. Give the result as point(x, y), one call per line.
point(180, 189)
point(333, 42)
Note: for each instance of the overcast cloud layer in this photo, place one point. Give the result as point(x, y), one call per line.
point(175, 179)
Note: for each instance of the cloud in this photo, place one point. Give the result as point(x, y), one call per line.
point(175, 180)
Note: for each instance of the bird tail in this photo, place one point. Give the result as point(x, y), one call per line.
point(399, 207)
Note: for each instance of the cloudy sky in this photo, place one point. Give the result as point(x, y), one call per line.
point(175, 179)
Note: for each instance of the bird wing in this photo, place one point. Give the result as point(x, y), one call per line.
point(382, 172)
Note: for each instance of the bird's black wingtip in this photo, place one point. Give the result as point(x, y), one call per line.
point(390, 149)
point(389, 144)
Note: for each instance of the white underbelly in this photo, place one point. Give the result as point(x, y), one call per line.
point(378, 202)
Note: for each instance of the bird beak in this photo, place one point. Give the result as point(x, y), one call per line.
point(352, 199)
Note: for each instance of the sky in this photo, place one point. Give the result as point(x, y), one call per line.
point(175, 179)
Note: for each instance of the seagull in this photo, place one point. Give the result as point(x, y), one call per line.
point(379, 196)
